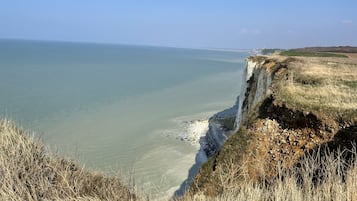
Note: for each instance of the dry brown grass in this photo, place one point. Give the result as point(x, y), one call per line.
point(321, 83)
point(337, 181)
point(326, 96)
point(27, 172)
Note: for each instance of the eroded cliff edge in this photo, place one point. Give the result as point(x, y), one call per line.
point(288, 106)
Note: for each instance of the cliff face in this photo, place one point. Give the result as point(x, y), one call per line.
point(284, 111)
point(256, 81)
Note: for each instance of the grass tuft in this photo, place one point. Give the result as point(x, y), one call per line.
point(27, 172)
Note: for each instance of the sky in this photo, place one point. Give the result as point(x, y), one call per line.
point(184, 23)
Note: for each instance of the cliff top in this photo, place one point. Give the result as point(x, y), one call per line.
point(320, 84)
point(342, 49)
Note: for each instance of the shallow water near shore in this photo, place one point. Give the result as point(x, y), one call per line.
point(119, 108)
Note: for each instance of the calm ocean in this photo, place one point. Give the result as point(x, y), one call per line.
point(118, 107)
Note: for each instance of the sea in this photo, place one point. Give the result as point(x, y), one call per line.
point(137, 111)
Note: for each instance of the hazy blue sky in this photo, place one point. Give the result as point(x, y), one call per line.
point(184, 23)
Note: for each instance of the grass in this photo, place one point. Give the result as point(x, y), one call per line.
point(207, 181)
point(327, 85)
point(350, 83)
point(338, 182)
point(310, 54)
point(27, 172)
point(270, 51)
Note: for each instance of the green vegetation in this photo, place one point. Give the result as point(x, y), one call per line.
point(270, 51)
point(350, 83)
point(340, 49)
point(210, 182)
point(310, 54)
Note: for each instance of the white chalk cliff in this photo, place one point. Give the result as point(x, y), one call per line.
point(224, 123)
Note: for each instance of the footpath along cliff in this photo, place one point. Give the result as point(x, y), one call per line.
point(288, 107)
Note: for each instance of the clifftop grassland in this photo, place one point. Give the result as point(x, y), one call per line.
point(300, 130)
point(322, 85)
